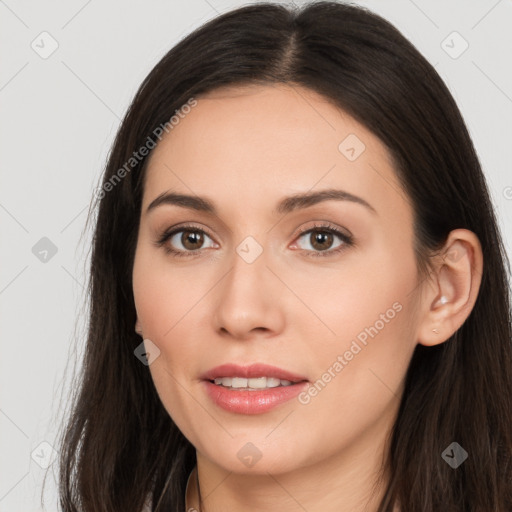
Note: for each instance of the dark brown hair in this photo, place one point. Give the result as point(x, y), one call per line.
point(120, 446)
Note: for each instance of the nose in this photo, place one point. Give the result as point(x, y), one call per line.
point(249, 299)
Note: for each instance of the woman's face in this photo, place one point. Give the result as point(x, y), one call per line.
point(261, 278)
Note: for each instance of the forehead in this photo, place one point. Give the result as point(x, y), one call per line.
point(253, 144)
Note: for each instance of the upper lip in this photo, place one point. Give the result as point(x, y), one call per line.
point(251, 371)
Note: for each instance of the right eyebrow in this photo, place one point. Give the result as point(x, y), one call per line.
point(185, 201)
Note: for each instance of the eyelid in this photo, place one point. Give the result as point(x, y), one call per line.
point(167, 233)
point(325, 224)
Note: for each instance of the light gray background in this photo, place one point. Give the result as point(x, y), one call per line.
point(58, 118)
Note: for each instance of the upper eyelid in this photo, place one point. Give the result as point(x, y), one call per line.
point(328, 226)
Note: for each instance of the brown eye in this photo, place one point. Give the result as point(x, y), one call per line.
point(185, 241)
point(321, 240)
point(192, 240)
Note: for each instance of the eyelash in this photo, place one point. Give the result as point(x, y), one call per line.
point(347, 240)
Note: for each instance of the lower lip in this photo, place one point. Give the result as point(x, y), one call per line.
point(252, 402)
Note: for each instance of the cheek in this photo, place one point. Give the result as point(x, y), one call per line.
point(163, 296)
point(167, 302)
point(368, 323)
point(162, 304)
point(358, 376)
point(353, 293)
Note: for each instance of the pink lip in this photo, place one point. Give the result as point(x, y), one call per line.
point(251, 402)
point(253, 370)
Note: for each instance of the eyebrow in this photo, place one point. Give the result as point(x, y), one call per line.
point(285, 205)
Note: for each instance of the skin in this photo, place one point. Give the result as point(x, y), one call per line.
point(245, 148)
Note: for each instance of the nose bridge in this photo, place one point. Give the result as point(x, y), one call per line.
point(248, 268)
point(246, 300)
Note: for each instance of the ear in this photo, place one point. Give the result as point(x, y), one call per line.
point(452, 288)
point(138, 327)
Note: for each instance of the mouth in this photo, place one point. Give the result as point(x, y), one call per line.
point(253, 384)
point(251, 389)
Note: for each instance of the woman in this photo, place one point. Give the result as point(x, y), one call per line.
point(295, 221)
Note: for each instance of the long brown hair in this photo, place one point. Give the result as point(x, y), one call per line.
point(120, 447)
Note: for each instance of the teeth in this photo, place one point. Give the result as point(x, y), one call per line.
point(238, 382)
point(252, 383)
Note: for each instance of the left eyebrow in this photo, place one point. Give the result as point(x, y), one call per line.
point(285, 205)
point(299, 201)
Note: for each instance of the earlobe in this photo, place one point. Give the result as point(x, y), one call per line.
point(138, 327)
point(453, 287)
